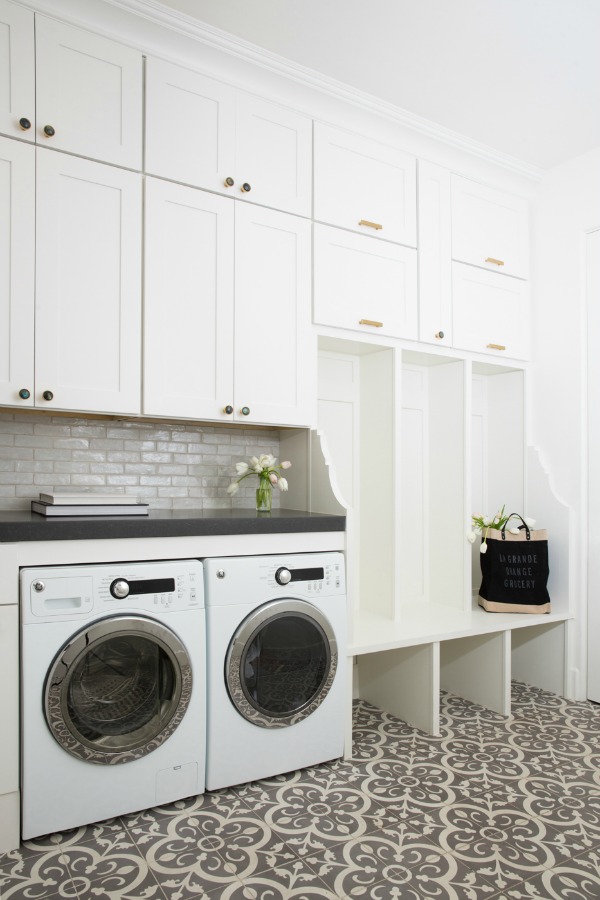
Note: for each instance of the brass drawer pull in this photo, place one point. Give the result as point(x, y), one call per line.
point(368, 224)
point(495, 346)
point(496, 262)
point(370, 322)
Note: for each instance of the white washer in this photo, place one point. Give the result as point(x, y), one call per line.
point(113, 688)
point(276, 653)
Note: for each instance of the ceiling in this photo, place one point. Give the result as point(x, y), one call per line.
point(520, 76)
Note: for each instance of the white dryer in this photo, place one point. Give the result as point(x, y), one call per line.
point(113, 690)
point(276, 653)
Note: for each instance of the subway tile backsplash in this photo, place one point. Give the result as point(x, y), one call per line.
point(170, 466)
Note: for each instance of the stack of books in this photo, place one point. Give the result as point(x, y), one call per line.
point(88, 504)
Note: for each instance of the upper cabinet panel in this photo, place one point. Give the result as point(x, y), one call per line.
point(89, 94)
point(17, 72)
point(364, 185)
point(190, 126)
point(202, 132)
point(490, 228)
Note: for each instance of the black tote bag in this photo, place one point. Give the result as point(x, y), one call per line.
point(515, 570)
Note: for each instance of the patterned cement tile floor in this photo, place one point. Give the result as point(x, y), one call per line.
point(497, 808)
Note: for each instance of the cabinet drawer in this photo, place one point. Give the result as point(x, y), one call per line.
point(364, 285)
point(490, 313)
point(489, 228)
point(364, 185)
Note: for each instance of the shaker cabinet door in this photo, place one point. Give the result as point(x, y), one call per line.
point(364, 185)
point(274, 348)
point(491, 314)
point(490, 228)
point(17, 71)
point(89, 94)
point(188, 302)
point(88, 285)
point(364, 285)
point(17, 250)
point(190, 126)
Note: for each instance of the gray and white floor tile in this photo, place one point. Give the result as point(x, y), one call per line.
point(493, 807)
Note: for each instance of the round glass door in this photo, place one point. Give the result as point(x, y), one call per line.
point(281, 663)
point(118, 689)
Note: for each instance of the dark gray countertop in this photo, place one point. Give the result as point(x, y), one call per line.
point(27, 526)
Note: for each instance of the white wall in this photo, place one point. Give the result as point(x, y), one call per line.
point(565, 208)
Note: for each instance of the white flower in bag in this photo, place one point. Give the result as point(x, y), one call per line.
point(483, 548)
point(471, 537)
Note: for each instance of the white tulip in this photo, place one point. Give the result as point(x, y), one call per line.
point(233, 488)
point(283, 485)
point(273, 477)
point(514, 530)
point(266, 460)
point(471, 537)
point(483, 548)
point(242, 468)
point(487, 520)
point(285, 464)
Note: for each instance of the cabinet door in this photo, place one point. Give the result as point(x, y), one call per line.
point(190, 126)
point(491, 313)
point(89, 91)
point(17, 250)
point(273, 155)
point(364, 285)
point(274, 349)
point(17, 71)
point(188, 302)
point(88, 285)
point(364, 185)
point(435, 263)
point(489, 228)
point(9, 698)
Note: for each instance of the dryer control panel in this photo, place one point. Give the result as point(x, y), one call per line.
point(59, 592)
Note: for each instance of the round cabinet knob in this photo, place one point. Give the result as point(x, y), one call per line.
point(49, 131)
point(245, 410)
point(24, 394)
point(246, 188)
point(119, 588)
point(439, 335)
point(24, 124)
point(228, 410)
point(48, 395)
point(229, 182)
point(283, 576)
point(38, 586)
point(220, 573)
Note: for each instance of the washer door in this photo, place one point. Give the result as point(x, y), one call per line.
point(118, 689)
point(281, 663)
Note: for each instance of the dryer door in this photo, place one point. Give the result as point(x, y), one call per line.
point(118, 689)
point(281, 663)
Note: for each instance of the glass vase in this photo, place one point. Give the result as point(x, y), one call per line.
point(264, 496)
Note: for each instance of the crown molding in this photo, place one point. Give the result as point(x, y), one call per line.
point(179, 22)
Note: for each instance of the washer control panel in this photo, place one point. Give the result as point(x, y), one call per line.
point(72, 591)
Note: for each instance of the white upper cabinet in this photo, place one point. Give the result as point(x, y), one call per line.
point(209, 353)
point(434, 254)
point(17, 251)
point(188, 302)
point(88, 285)
point(89, 94)
point(202, 132)
point(490, 228)
point(17, 71)
point(364, 285)
point(490, 314)
point(364, 185)
point(275, 354)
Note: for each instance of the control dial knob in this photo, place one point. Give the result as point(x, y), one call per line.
point(283, 576)
point(119, 588)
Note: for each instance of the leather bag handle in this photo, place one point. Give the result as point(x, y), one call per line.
point(524, 525)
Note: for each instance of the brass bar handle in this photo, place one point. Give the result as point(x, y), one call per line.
point(368, 224)
point(496, 262)
point(370, 322)
point(495, 346)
